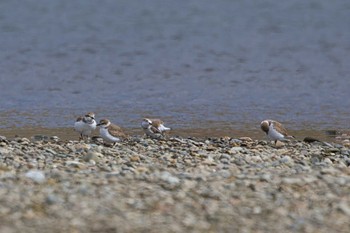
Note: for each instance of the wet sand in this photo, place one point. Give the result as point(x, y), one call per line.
point(67, 134)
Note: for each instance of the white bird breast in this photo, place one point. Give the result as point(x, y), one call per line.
point(274, 134)
point(84, 128)
point(144, 124)
point(106, 136)
point(79, 126)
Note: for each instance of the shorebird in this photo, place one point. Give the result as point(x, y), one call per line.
point(153, 128)
point(84, 125)
point(275, 130)
point(111, 133)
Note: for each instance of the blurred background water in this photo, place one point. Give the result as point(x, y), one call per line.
point(195, 63)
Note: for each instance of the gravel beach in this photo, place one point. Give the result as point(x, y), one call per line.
point(173, 185)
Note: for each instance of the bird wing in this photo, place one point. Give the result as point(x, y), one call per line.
point(156, 122)
point(80, 118)
point(116, 131)
point(155, 130)
point(279, 127)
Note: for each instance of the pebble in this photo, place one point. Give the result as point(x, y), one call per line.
point(329, 171)
point(52, 199)
point(75, 164)
point(344, 207)
point(286, 159)
point(40, 138)
point(4, 151)
point(36, 176)
point(92, 155)
point(190, 185)
point(166, 176)
point(327, 161)
point(225, 156)
point(279, 144)
point(292, 180)
point(235, 150)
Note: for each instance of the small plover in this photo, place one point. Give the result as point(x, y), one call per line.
point(111, 133)
point(84, 125)
point(153, 128)
point(275, 130)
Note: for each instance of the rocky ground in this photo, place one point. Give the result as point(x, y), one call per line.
point(173, 185)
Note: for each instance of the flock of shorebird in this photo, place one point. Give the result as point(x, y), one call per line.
point(154, 128)
point(111, 133)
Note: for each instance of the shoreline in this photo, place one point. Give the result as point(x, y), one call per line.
point(174, 185)
point(68, 133)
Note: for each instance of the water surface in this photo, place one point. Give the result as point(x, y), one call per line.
point(217, 66)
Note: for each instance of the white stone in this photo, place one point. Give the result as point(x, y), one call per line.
point(36, 176)
point(167, 177)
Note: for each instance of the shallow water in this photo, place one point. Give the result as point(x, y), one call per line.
point(198, 64)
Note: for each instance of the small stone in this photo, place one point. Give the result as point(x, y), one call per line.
point(92, 155)
point(297, 181)
point(52, 199)
point(328, 161)
point(344, 207)
point(279, 144)
point(23, 140)
point(4, 151)
point(54, 138)
point(266, 177)
point(36, 175)
point(329, 171)
point(167, 177)
point(310, 139)
point(257, 210)
point(225, 156)
point(345, 151)
point(224, 161)
point(286, 159)
point(347, 162)
point(40, 138)
point(235, 150)
point(62, 155)
point(247, 139)
point(135, 158)
point(50, 151)
point(142, 169)
point(4, 167)
point(209, 161)
point(225, 173)
point(332, 150)
point(210, 148)
point(3, 144)
point(255, 159)
point(75, 164)
point(315, 159)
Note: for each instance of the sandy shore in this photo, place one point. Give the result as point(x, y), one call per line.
point(173, 185)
